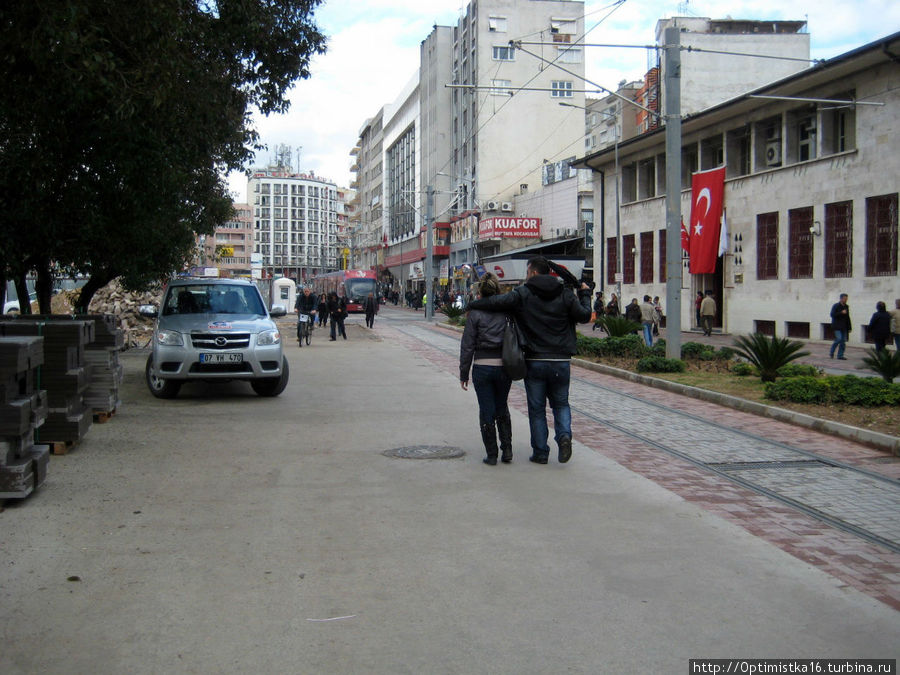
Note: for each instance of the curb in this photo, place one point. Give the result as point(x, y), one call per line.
point(871, 438)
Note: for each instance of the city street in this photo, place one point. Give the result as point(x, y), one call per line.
point(224, 532)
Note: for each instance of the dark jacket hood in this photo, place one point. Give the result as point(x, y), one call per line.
point(544, 286)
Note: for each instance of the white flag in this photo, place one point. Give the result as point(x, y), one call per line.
point(723, 234)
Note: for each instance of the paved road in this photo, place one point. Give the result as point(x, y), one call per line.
point(221, 532)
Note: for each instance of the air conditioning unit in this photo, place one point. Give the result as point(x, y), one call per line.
point(506, 206)
point(490, 206)
point(773, 153)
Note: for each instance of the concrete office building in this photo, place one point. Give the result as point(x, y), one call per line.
point(811, 193)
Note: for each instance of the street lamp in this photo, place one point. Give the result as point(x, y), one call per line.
point(615, 117)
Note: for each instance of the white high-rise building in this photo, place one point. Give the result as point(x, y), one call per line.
point(295, 222)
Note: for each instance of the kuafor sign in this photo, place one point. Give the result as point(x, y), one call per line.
point(499, 228)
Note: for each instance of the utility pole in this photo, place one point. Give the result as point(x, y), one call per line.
point(429, 250)
point(673, 191)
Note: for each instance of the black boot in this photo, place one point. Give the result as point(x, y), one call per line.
point(489, 436)
point(504, 431)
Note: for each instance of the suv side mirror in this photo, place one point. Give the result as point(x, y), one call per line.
point(277, 311)
point(150, 311)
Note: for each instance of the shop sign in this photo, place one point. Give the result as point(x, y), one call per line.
point(500, 228)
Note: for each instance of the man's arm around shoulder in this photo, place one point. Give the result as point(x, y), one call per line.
point(497, 303)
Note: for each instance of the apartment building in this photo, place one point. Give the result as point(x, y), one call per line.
point(229, 247)
point(295, 222)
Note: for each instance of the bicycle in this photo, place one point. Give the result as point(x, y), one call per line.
point(304, 330)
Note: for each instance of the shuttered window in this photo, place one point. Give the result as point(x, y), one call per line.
point(662, 256)
point(800, 243)
point(612, 260)
point(839, 239)
point(881, 236)
point(628, 259)
point(767, 246)
point(646, 257)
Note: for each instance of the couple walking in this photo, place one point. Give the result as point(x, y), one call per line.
point(546, 313)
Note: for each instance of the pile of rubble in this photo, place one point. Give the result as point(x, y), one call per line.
point(113, 299)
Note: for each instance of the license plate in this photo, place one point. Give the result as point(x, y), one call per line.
point(221, 358)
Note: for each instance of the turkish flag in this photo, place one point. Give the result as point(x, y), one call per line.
point(685, 238)
point(707, 195)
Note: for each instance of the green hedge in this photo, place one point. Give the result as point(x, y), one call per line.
point(660, 364)
point(849, 389)
point(798, 370)
point(629, 346)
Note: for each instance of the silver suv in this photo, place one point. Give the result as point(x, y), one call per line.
point(215, 329)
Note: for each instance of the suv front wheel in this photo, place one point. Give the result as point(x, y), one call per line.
point(159, 387)
point(272, 386)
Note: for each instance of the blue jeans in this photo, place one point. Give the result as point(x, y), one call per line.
point(547, 381)
point(648, 334)
point(840, 341)
point(492, 389)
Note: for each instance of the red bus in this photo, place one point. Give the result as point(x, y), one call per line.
point(354, 284)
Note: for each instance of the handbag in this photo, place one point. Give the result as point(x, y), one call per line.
point(513, 351)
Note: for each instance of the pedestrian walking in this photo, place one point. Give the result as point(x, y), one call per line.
point(612, 307)
point(546, 313)
point(633, 311)
point(481, 349)
point(708, 313)
point(841, 325)
point(599, 309)
point(880, 326)
point(323, 310)
point(895, 324)
point(657, 305)
point(648, 319)
point(337, 308)
point(697, 302)
point(371, 309)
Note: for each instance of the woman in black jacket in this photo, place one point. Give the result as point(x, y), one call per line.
point(880, 326)
point(482, 342)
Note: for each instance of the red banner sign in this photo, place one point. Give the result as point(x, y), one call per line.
point(499, 228)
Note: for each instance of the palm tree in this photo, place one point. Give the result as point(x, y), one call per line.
point(885, 363)
point(617, 326)
point(768, 354)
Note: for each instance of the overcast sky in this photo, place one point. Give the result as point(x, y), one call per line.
point(373, 51)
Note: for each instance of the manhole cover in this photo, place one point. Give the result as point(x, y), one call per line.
point(425, 452)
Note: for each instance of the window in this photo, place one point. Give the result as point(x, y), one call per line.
point(628, 259)
point(497, 24)
point(563, 26)
point(629, 182)
point(881, 236)
point(800, 243)
point(712, 154)
point(690, 164)
point(646, 257)
point(647, 178)
point(662, 256)
point(839, 239)
point(504, 54)
point(612, 260)
point(500, 88)
point(767, 246)
point(561, 89)
point(839, 126)
point(568, 55)
point(738, 152)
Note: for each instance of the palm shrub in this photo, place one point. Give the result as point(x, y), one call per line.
point(617, 326)
point(768, 354)
point(453, 313)
point(885, 363)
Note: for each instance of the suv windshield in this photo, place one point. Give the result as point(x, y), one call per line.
point(203, 298)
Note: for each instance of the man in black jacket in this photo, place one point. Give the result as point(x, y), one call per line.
point(841, 325)
point(546, 313)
